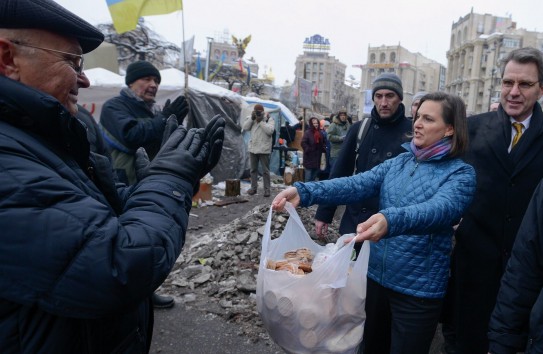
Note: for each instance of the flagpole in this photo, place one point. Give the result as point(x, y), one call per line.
point(185, 63)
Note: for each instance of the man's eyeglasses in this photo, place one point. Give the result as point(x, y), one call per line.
point(77, 62)
point(522, 85)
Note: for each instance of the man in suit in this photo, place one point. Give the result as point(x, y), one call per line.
point(506, 150)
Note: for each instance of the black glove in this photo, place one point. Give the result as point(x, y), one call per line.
point(253, 115)
point(169, 128)
point(214, 136)
point(184, 155)
point(179, 107)
point(141, 164)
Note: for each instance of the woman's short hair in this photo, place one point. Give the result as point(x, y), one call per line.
point(454, 113)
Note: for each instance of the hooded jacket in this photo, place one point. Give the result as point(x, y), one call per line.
point(421, 201)
point(80, 255)
point(336, 134)
point(261, 139)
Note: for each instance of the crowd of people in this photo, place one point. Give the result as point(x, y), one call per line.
point(94, 216)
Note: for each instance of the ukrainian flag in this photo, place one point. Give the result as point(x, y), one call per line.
point(126, 13)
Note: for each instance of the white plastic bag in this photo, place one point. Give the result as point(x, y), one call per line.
point(320, 312)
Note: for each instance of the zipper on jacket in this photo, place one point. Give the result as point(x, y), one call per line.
point(384, 262)
point(90, 172)
point(414, 168)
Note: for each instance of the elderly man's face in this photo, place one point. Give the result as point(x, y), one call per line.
point(145, 88)
point(50, 72)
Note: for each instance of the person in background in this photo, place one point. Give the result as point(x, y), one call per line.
point(387, 129)
point(415, 103)
point(261, 126)
point(94, 135)
point(313, 145)
point(325, 173)
point(133, 119)
point(494, 106)
point(81, 255)
point(336, 134)
point(506, 150)
point(516, 324)
point(422, 195)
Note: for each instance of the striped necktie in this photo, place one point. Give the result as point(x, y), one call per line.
point(516, 138)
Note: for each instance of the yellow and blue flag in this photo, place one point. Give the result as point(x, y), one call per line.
point(199, 71)
point(126, 13)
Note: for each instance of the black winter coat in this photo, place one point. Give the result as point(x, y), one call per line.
point(128, 123)
point(383, 141)
point(505, 184)
point(312, 151)
point(516, 324)
point(80, 256)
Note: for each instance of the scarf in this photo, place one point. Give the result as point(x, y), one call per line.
point(316, 135)
point(152, 106)
point(433, 152)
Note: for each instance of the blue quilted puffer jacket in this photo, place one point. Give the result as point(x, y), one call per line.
point(421, 201)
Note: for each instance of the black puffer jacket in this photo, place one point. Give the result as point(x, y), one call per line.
point(383, 141)
point(516, 324)
point(78, 261)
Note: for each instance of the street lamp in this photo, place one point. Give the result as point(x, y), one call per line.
point(208, 59)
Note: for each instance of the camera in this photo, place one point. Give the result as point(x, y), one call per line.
point(259, 113)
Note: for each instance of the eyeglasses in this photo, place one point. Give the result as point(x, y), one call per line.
point(77, 62)
point(522, 85)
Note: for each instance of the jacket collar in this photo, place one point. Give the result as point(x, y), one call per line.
point(41, 114)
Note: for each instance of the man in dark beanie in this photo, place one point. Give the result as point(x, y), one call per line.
point(80, 255)
point(368, 143)
point(132, 120)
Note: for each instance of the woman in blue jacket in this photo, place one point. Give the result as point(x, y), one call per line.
point(423, 193)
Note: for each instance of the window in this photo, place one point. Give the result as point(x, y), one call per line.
point(372, 58)
point(382, 58)
point(393, 57)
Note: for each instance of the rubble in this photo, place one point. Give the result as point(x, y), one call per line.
point(217, 270)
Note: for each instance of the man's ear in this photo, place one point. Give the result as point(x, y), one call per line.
point(8, 65)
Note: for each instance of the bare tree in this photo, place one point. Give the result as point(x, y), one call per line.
point(142, 44)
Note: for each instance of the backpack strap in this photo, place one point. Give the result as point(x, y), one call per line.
point(362, 132)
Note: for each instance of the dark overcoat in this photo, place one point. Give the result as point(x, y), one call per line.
point(505, 183)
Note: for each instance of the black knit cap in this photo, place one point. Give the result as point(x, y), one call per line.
point(387, 81)
point(140, 69)
point(50, 16)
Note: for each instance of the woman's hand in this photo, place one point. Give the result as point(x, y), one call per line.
point(372, 229)
point(288, 195)
point(321, 229)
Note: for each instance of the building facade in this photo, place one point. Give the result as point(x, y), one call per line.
point(417, 72)
point(326, 73)
point(478, 43)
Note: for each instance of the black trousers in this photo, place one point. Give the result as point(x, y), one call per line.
point(398, 323)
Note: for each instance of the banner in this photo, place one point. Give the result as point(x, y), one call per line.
point(187, 50)
point(304, 93)
point(126, 13)
point(368, 102)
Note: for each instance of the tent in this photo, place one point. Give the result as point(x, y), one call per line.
point(205, 100)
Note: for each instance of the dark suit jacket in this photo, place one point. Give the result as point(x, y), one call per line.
point(505, 183)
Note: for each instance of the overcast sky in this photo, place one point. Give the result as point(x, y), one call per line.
point(279, 27)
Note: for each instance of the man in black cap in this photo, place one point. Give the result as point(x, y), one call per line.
point(80, 256)
point(132, 119)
